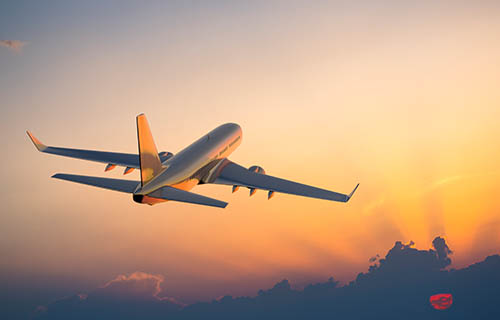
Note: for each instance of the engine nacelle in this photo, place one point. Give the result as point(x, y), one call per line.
point(128, 170)
point(109, 167)
point(164, 155)
point(257, 169)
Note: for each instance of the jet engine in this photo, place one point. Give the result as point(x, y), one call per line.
point(164, 155)
point(256, 169)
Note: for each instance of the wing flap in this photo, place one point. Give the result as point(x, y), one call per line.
point(234, 174)
point(127, 186)
point(174, 194)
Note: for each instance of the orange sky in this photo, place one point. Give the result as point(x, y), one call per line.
point(404, 100)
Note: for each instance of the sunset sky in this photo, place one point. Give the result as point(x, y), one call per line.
point(402, 97)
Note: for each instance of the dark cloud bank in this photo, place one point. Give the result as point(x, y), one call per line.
point(397, 287)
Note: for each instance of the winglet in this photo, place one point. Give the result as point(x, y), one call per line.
point(38, 144)
point(352, 192)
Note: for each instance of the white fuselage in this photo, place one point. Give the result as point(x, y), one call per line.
point(192, 164)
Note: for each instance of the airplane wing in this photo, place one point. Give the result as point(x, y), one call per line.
point(122, 159)
point(230, 173)
point(129, 186)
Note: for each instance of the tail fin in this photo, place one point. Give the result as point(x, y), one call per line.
point(148, 155)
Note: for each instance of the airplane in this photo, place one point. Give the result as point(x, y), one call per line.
point(169, 177)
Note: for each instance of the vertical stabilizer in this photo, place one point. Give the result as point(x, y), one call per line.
point(148, 155)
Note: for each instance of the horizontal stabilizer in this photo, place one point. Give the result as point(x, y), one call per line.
point(127, 186)
point(174, 194)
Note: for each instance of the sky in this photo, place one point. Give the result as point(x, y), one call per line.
point(401, 97)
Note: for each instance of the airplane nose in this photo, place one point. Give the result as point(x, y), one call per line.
point(233, 126)
point(236, 127)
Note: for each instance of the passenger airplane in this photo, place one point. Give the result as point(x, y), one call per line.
point(165, 176)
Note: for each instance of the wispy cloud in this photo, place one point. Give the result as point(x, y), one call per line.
point(453, 179)
point(137, 284)
point(14, 45)
point(127, 294)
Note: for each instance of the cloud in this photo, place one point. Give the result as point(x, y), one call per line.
point(124, 297)
point(138, 285)
point(14, 45)
point(442, 251)
point(397, 287)
point(374, 258)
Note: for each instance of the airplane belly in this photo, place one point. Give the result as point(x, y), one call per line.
point(152, 201)
point(186, 184)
